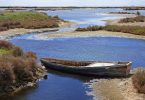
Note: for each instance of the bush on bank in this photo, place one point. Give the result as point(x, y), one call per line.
point(138, 80)
point(17, 68)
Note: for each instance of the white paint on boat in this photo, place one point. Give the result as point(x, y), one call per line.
point(98, 64)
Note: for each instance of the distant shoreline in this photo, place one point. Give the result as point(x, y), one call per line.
point(72, 7)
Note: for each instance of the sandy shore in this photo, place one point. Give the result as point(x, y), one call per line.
point(21, 31)
point(115, 89)
point(91, 34)
point(116, 22)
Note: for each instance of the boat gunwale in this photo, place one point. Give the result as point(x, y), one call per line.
point(116, 64)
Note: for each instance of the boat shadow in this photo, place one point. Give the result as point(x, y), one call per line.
point(82, 78)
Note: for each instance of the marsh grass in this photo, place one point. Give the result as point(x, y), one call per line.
point(16, 67)
point(137, 30)
point(138, 80)
point(133, 19)
point(5, 51)
point(28, 20)
point(90, 28)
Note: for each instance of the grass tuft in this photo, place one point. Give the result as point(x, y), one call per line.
point(138, 80)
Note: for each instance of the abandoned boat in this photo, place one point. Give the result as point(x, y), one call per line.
point(111, 69)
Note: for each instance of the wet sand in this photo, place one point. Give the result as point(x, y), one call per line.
point(21, 31)
point(115, 89)
point(101, 33)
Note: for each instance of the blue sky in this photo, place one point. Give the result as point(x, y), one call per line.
point(72, 2)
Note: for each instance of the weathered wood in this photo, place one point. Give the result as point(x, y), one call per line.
point(119, 69)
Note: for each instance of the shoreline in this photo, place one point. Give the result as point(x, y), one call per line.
point(16, 89)
point(15, 32)
point(114, 89)
point(21, 31)
point(92, 34)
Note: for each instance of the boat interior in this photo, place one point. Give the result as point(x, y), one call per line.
point(82, 63)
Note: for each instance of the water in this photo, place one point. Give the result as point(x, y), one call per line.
point(83, 18)
point(60, 86)
point(86, 17)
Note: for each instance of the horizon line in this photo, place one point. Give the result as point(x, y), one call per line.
point(73, 6)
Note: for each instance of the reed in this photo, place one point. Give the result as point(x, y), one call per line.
point(138, 80)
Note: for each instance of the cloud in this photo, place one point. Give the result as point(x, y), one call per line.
point(72, 2)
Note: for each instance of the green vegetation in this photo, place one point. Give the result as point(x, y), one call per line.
point(28, 20)
point(17, 68)
point(138, 80)
point(90, 28)
point(4, 51)
point(137, 30)
point(132, 20)
point(122, 13)
point(134, 8)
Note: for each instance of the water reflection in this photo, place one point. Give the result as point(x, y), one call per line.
point(82, 78)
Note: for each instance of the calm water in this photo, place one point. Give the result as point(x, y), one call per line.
point(60, 86)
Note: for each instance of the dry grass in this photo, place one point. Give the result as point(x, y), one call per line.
point(90, 28)
point(28, 20)
point(5, 44)
point(133, 19)
point(17, 51)
point(107, 90)
point(31, 55)
point(138, 80)
point(17, 67)
point(137, 30)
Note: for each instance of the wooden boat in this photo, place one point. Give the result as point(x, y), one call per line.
point(109, 69)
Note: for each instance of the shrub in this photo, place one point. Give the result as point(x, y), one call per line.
point(6, 72)
point(21, 69)
point(31, 55)
point(90, 28)
point(17, 51)
point(5, 44)
point(137, 30)
point(134, 19)
point(138, 80)
point(17, 68)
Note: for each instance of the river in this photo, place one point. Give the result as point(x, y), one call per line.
point(61, 86)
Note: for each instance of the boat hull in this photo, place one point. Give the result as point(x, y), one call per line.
point(109, 71)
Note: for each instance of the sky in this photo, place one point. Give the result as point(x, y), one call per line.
point(72, 2)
